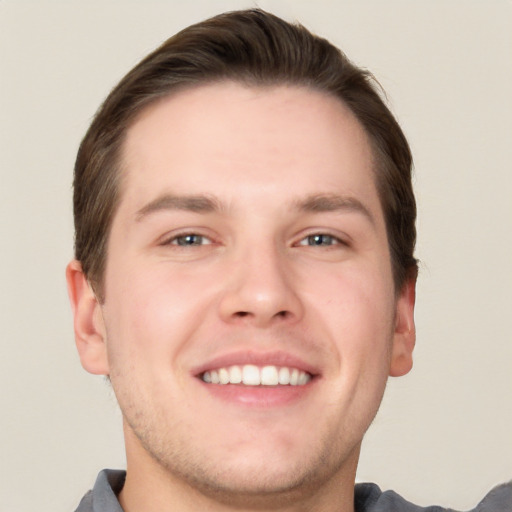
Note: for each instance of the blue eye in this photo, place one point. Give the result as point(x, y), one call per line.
point(319, 240)
point(190, 240)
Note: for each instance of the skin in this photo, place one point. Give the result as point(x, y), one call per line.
point(254, 284)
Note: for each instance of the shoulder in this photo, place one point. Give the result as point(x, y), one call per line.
point(369, 498)
point(498, 500)
point(103, 496)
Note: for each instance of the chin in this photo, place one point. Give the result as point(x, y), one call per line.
point(256, 483)
point(258, 477)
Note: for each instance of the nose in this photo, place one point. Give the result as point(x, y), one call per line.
point(261, 290)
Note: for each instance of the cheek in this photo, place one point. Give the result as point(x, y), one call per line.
point(152, 311)
point(353, 291)
point(357, 306)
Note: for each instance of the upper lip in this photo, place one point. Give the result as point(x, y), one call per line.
point(240, 358)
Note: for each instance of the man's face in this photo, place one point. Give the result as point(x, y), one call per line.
point(249, 240)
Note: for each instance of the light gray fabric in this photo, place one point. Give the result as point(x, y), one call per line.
point(368, 498)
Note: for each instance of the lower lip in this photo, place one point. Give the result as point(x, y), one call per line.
point(259, 396)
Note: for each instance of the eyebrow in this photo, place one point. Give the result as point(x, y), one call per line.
point(193, 203)
point(316, 203)
point(319, 203)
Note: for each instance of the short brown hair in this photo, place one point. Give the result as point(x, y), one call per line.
point(251, 47)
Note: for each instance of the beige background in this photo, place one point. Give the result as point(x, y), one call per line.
point(443, 434)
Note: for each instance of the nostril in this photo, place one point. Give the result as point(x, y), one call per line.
point(242, 314)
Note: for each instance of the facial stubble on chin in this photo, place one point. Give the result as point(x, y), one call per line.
point(322, 467)
point(259, 491)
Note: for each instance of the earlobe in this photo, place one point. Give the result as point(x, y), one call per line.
point(90, 333)
point(405, 330)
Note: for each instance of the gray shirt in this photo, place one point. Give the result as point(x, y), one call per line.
point(368, 498)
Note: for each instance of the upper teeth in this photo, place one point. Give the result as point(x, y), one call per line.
point(252, 375)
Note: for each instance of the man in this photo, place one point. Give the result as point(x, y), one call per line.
point(244, 271)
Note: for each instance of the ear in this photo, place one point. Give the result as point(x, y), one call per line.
point(405, 331)
point(90, 333)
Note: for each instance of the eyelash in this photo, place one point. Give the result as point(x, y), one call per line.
point(311, 240)
point(175, 240)
point(316, 238)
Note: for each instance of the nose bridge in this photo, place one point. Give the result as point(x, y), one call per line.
point(261, 288)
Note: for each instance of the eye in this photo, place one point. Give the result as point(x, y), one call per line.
point(189, 240)
point(320, 240)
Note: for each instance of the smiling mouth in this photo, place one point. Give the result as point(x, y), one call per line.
point(252, 375)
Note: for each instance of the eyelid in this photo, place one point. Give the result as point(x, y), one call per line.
point(335, 241)
point(339, 238)
point(170, 238)
point(174, 240)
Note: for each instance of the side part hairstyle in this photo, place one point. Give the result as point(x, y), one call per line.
point(254, 48)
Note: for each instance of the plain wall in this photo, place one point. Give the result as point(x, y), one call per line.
point(443, 434)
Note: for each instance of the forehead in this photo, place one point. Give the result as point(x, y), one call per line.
point(284, 139)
